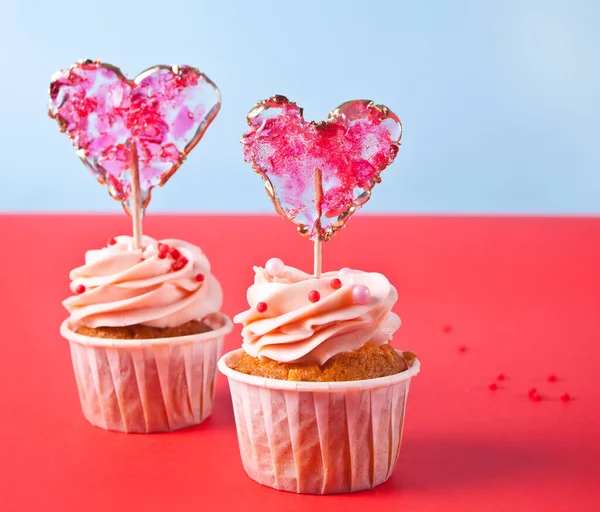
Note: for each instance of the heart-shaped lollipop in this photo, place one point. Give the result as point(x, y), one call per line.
point(318, 174)
point(149, 123)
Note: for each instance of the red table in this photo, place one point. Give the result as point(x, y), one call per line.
point(521, 294)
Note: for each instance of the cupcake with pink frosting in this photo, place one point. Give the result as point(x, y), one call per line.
point(318, 391)
point(144, 325)
point(326, 389)
point(145, 334)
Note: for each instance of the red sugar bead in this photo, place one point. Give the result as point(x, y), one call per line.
point(500, 376)
point(493, 386)
point(335, 283)
point(179, 264)
point(111, 241)
point(80, 289)
point(462, 348)
point(314, 296)
point(565, 397)
point(447, 328)
point(163, 250)
point(552, 377)
point(261, 307)
point(175, 254)
point(199, 277)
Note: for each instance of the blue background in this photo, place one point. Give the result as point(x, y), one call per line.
point(499, 99)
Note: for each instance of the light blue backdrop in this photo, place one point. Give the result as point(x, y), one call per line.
point(499, 99)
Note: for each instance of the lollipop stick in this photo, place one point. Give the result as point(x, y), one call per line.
point(318, 257)
point(136, 196)
point(318, 254)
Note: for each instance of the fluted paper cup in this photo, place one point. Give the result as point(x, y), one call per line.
point(318, 437)
point(143, 386)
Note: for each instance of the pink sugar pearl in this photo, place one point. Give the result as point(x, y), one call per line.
point(275, 267)
point(360, 294)
point(345, 271)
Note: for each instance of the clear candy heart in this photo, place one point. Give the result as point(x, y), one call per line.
point(318, 174)
point(164, 111)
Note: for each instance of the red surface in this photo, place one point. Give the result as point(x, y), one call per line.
point(522, 295)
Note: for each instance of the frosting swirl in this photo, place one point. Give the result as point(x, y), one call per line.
point(120, 286)
point(295, 330)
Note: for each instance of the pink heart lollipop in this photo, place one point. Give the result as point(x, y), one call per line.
point(318, 174)
point(150, 123)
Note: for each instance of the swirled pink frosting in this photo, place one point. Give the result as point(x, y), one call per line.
point(295, 330)
point(127, 286)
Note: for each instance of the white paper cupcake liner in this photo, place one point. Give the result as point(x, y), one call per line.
point(318, 437)
point(146, 386)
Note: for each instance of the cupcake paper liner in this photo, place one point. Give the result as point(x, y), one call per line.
point(145, 386)
point(318, 437)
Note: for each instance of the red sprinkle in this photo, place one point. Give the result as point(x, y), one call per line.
point(552, 377)
point(565, 397)
point(462, 348)
point(163, 250)
point(80, 289)
point(493, 386)
point(500, 376)
point(261, 307)
point(199, 277)
point(536, 397)
point(112, 241)
point(335, 283)
point(179, 264)
point(175, 254)
point(532, 392)
point(447, 328)
point(314, 296)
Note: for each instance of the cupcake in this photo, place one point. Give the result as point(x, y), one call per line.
point(145, 334)
point(144, 325)
point(318, 392)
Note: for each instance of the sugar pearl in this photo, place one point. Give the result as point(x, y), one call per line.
point(275, 267)
point(360, 294)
